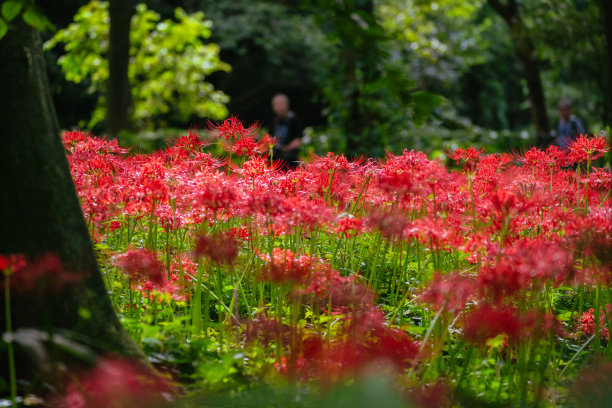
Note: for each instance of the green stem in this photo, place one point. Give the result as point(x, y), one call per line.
point(9, 331)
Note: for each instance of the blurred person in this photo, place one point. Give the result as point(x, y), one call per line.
point(287, 128)
point(569, 126)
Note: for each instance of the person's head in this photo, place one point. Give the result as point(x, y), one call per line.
point(565, 108)
point(280, 105)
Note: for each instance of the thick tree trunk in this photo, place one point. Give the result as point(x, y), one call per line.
point(530, 61)
point(531, 66)
point(40, 210)
point(119, 94)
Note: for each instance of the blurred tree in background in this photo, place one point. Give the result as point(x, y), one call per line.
point(369, 75)
point(168, 65)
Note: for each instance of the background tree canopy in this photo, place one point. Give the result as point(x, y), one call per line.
point(364, 75)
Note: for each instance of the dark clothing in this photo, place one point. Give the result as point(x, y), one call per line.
point(286, 130)
point(568, 131)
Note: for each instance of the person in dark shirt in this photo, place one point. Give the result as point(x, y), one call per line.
point(569, 126)
point(287, 128)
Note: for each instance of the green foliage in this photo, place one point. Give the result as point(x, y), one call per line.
point(169, 63)
point(369, 94)
point(31, 15)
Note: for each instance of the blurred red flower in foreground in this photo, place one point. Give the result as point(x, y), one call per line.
point(45, 272)
point(488, 322)
point(116, 383)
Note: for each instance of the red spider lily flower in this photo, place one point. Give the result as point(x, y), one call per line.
point(505, 203)
point(285, 266)
point(247, 146)
point(267, 143)
point(116, 383)
point(488, 322)
point(528, 265)
point(12, 262)
point(220, 248)
point(450, 292)
point(555, 157)
point(600, 180)
point(71, 138)
point(190, 142)
point(586, 148)
point(587, 323)
point(368, 343)
point(141, 265)
point(232, 129)
point(255, 167)
point(534, 158)
point(349, 226)
point(469, 155)
point(267, 331)
point(44, 272)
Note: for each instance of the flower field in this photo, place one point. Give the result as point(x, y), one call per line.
point(484, 284)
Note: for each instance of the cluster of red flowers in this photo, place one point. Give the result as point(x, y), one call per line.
point(507, 226)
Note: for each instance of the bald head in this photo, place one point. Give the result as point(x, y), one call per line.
point(280, 105)
point(565, 109)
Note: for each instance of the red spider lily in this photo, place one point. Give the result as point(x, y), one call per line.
point(349, 226)
point(255, 167)
point(488, 322)
point(600, 180)
point(529, 264)
point(469, 155)
point(450, 292)
point(12, 262)
point(117, 383)
point(232, 129)
point(587, 323)
point(586, 148)
point(534, 158)
point(555, 157)
point(141, 265)
point(372, 345)
point(44, 272)
point(267, 143)
point(220, 248)
point(267, 331)
point(246, 146)
point(284, 266)
point(190, 142)
point(71, 138)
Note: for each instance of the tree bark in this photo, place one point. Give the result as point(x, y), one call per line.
point(530, 61)
point(119, 93)
point(40, 210)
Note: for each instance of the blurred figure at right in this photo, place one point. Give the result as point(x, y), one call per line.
point(569, 126)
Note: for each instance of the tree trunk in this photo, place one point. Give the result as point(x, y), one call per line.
point(119, 93)
point(530, 61)
point(40, 210)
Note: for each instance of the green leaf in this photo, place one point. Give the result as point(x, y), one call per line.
point(35, 18)
point(3, 28)
point(424, 104)
point(10, 9)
